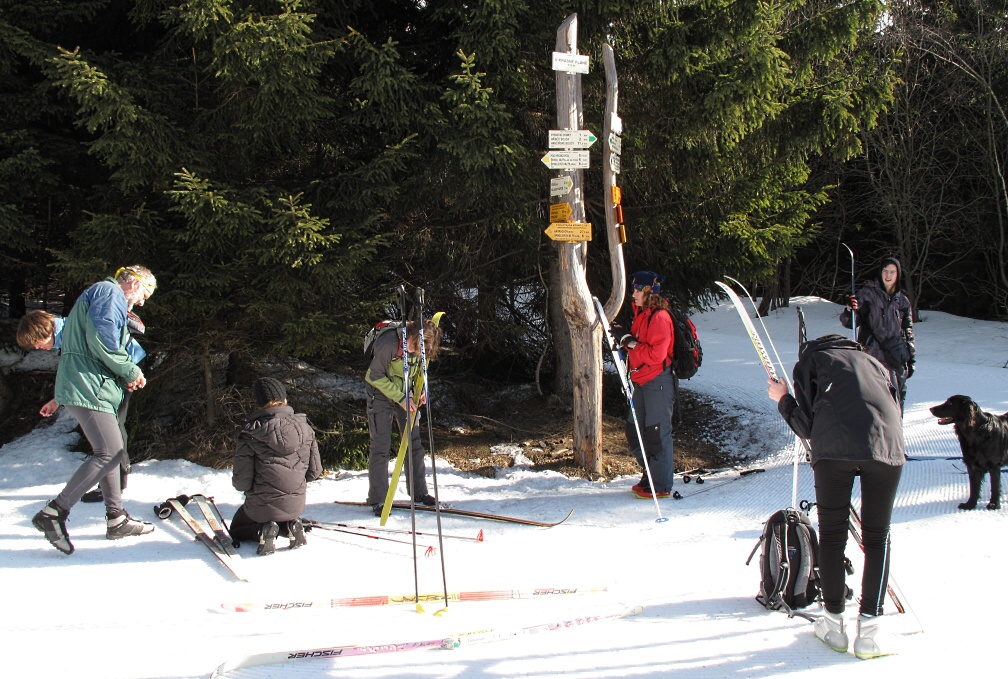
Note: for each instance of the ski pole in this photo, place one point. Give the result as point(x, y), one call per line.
point(418, 305)
point(852, 292)
point(408, 432)
point(478, 538)
point(430, 550)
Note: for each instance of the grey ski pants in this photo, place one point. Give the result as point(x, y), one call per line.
point(103, 432)
point(382, 413)
point(653, 402)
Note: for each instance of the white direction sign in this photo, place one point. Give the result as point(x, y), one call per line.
point(561, 186)
point(566, 160)
point(571, 63)
point(614, 163)
point(615, 143)
point(571, 139)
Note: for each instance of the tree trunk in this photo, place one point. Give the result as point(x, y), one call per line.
point(576, 298)
point(211, 405)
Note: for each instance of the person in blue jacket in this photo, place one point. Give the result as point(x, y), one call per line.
point(95, 372)
point(44, 331)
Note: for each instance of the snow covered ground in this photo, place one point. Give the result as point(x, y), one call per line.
point(151, 606)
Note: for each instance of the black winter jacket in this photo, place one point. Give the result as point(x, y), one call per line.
point(885, 326)
point(844, 404)
point(276, 456)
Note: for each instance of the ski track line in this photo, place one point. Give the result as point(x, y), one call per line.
point(931, 485)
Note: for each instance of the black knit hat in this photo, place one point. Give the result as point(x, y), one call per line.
point(267, 390)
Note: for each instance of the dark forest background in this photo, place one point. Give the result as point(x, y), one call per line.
point(283, 165)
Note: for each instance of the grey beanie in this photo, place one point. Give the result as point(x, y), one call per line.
point(266, 390)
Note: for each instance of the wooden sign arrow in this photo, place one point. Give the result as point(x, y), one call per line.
point(566, 160)
point(571, 139)
point(571, 63)
point(560, 186)
point(560, 212)
point(570, 232)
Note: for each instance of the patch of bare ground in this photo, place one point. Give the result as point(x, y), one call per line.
point(543, 430)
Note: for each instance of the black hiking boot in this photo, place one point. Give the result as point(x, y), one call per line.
point(52, 521)
point(295, 531)
point(267, 540)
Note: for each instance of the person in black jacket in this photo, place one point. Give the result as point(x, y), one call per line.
point(847, 408)
point(276, 457)
point(885, 323)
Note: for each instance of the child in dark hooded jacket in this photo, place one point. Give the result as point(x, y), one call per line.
point(276, 456)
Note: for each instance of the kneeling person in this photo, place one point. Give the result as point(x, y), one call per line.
point(276, 456)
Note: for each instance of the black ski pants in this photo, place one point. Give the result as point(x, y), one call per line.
point(834, 481)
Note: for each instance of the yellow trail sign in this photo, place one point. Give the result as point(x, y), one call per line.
point(560, 212)
point(570, 232)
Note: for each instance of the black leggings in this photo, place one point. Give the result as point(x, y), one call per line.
point(834, 480)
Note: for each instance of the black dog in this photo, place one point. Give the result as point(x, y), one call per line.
point(983, 439)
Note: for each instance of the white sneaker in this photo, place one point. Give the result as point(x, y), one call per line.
point(869, 642)
point(830, 629)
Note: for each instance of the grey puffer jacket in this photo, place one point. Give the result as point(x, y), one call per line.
point(844, 404)
point(276, 456)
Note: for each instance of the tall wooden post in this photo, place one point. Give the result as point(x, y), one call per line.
point(578, 308)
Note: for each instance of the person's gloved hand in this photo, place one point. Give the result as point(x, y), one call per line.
point(627, 342)
point(853, 303)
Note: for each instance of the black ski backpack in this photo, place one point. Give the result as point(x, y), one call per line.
point(686, 352)
point(789, 562)
point(379, 329)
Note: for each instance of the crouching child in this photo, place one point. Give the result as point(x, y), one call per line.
point(276, 456)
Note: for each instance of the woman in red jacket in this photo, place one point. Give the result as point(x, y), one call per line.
point(649, 359)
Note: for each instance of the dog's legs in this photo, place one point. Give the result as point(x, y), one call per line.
point(995, 480)
point(975, 479)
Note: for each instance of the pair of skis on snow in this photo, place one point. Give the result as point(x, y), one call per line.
point(854, 522)
point(211, 532)
point(443, 641)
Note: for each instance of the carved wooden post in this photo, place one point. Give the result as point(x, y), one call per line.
point(578, 308)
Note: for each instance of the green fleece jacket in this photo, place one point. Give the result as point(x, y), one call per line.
point(90, 374)
point(385, 373)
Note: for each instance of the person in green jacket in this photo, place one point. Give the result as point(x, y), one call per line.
point(95, 373)
point(386, 403)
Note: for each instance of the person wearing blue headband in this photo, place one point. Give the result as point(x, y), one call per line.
point(649, 359)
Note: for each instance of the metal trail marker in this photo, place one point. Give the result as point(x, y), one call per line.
point(570, 63)
point(560, 186)
point(566, 160)
point(561, 212)
point(571, 139)
point(569, 232)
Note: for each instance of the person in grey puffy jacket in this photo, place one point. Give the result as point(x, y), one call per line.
point(885, 323)
point(276, 456)
point(846, 406)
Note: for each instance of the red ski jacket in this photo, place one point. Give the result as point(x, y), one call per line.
point(655, 341)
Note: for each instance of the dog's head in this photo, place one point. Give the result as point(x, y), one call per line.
point(956, 409)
